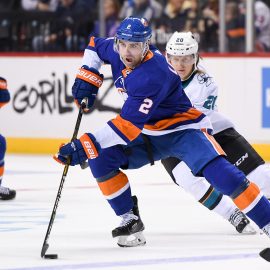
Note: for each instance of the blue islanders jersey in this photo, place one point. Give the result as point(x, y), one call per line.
point(155, 102)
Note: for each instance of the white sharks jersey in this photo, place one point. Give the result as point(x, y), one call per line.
point(202, 90)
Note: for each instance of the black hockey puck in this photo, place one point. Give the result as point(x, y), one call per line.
point(51, 256)
point(265, 254)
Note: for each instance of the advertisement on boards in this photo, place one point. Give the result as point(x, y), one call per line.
point(41, 99)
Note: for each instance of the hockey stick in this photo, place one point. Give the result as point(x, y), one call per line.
point(45, 245)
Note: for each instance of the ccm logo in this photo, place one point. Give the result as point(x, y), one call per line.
point(89, 76)
point(91, 153)
point(241, 159)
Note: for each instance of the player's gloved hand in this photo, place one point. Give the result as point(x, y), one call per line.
point(79, 150)
point(86, 85)
point(4, 94)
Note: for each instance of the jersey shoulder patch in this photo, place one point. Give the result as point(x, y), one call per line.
point(204, 78)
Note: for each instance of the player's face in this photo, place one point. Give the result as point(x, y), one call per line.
point(131, 53)
point(182, 64)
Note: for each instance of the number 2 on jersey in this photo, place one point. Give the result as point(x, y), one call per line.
point(147, 104)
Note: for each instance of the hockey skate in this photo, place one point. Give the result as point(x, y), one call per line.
point(241, 223)
point(266, 230)
point(7, 194)
point(129, 232)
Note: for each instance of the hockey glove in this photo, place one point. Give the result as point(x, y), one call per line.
point(86, 85)
point(4, 94)
point(79, 150)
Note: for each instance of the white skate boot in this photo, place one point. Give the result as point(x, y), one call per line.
point(239, 220)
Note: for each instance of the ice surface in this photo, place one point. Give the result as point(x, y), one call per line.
point(180, 233)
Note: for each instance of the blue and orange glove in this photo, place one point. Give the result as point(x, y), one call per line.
point(4, 94)
point(86, 85)
point(79, 150)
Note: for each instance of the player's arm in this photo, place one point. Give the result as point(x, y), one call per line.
point(4, 93)
point(123, 129)
point(98, 52)
point(208, 105)
point(205, 101)
point(88, 79)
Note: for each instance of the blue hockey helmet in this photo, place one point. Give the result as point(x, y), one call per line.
point(134, 29)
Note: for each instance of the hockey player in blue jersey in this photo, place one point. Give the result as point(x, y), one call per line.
point(155, 108)
point(5, 193)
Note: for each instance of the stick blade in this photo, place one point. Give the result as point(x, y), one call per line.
point(265, 254)
point(44, 249)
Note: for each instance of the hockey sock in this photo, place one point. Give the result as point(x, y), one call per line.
point(116, 189)
point(202, 191)
point(261, 177)
point(246, 195)
point(211, 198)
point(251, 201)
point(220, 204)
point(225, 207)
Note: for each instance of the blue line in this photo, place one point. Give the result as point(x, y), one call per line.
point(143, 262)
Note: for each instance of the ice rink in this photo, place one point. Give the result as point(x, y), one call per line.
point(180, 233)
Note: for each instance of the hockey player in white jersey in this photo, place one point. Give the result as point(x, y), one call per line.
point(182, 54)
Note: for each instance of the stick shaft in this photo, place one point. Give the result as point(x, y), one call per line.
point(45, 245)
